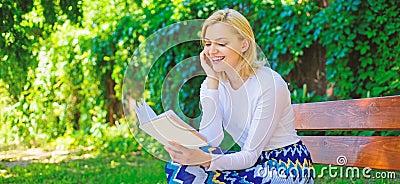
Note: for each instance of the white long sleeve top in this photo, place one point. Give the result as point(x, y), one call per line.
point(258, 116)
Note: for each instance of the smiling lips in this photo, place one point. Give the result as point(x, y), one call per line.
point(217, 59)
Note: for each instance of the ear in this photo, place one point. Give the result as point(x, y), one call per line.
point(245, 45)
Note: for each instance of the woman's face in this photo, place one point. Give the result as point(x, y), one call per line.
point(223, 47)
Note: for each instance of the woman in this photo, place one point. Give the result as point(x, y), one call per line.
point(252, 103)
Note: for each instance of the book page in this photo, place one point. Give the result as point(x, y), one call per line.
point(144, 112)
point(169, 127)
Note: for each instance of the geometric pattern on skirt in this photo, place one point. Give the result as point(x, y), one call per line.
point(289, 164)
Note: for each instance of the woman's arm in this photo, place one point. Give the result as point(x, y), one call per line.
point(211, 121)
point(265, 119)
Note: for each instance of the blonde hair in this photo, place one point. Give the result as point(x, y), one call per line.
point(243, 29)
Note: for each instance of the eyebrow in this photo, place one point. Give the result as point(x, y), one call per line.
point(221, 38)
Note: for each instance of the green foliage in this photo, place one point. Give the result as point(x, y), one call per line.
point(285, 29)
point(361, 37)
point(301, 95)
point(363, 43)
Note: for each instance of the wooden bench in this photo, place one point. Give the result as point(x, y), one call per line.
point(380, 114)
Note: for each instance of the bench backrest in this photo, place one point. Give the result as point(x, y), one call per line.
point(378, 152)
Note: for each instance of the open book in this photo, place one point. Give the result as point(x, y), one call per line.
point(168, 127)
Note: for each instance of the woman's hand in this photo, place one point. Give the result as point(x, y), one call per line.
point(186, 156)
point(210, 72)
point(206, 65)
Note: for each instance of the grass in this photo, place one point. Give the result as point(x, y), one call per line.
point(104, 168)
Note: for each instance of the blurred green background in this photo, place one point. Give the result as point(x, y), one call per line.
point(63, 62)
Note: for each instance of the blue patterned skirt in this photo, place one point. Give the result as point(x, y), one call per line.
point(289, 164)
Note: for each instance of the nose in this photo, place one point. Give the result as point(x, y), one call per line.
point(212, 49)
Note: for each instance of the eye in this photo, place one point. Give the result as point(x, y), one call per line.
point(207, 43)
point(222, 44)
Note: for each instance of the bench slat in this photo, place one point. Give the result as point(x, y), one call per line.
point(382, 113)
point(376, 152)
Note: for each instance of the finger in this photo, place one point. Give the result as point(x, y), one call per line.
point(167, 149)
point(177, 146)
point(173, 150)
point(203, 52)
point(203, 56)
point(174, 156)
point(204, 63)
